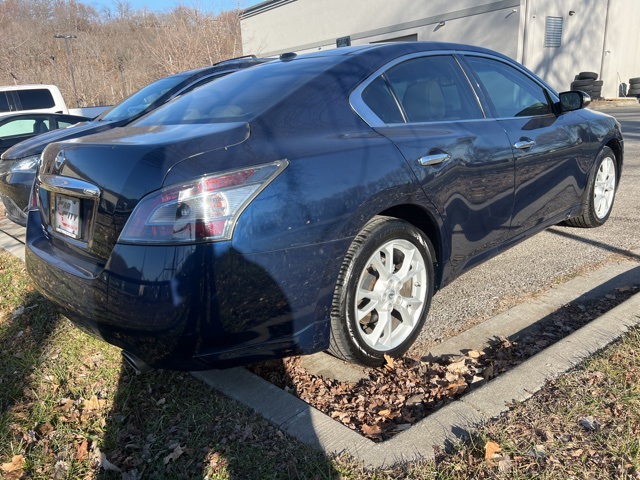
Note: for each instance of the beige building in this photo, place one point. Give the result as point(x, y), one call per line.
point(556, 39)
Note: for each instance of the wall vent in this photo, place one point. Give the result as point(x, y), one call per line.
point(553, 32)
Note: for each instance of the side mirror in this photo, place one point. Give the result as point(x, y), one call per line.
point(573, 100)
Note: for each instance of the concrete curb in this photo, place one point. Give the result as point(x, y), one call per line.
point(448, 425)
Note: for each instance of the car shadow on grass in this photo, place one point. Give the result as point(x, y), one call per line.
point(70, 408)
point(170, 425)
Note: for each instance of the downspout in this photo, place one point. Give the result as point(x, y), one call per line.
point(604, 40)
point(525, 42)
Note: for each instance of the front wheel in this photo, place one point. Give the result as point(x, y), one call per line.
point(383, 293)
point(600, 194)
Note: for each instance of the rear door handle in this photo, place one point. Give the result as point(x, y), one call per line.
point(434, 159)
point(523, 144)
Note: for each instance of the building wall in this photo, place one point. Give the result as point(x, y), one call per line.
point(600, 36)
point(621, 56)
point(308, 25)
point(582, 39)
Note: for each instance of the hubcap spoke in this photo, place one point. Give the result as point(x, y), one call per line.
point(381, 334)
point(374, 300)
point(406, 315)
point(376, 263)
point(406, 264)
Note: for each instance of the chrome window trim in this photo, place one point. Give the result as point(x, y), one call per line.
point(370, 118)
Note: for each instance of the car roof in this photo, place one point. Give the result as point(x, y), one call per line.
point(230, 64)
point(28, 114)
point(409, 46)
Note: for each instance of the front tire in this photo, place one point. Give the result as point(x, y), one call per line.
point(600, 193)
point(383, 292)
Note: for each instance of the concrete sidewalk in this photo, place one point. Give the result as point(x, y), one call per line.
point(12, 237)
point(455, 421)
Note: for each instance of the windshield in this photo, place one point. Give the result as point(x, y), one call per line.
point(238, 97)
point(141, 100)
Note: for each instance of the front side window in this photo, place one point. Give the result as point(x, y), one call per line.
point(424, 89)
point(66, 123)
point(24, 127)
point(511, 92)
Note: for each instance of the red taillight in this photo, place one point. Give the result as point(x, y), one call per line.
point(203, 210)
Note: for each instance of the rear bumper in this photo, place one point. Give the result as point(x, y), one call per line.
point(190, 307)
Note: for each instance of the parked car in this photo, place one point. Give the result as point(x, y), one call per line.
point(32, 98)
point(18, 127)
point(312, 203)
point(23, 158)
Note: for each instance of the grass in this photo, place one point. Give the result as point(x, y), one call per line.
point(69, 408)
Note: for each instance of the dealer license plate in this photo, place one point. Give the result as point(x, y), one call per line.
point(67, 216)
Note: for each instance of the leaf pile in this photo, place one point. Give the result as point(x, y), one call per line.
point(393, 397)
point(406, 390)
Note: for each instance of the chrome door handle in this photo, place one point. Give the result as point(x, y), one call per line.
point(524, 144)
point(435, 159)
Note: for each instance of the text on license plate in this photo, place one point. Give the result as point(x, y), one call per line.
point(67, 216)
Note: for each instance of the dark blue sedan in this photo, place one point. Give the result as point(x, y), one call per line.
point(311, 203)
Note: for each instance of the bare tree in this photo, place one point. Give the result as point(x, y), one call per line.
point(117, 50)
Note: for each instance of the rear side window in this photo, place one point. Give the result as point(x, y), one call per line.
point(381, 101)
point(512, 93)
point(428, 89)
point(36, 98)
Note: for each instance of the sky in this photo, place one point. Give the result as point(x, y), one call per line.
point(216, 6)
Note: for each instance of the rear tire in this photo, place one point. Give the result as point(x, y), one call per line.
point(383, 293)
point(600, 193)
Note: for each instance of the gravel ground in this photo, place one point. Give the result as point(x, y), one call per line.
point(550, 257)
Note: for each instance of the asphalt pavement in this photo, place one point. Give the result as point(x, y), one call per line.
point(501, 297)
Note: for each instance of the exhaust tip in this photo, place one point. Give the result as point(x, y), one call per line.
point(138, 365)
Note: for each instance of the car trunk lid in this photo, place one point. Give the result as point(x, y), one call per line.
point(87, 188)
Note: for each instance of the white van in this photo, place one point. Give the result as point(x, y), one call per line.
point(34, 98)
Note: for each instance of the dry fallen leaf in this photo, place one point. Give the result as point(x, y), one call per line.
point(102, 461)
point(475, 353)
point(490, 449)
point(16, 463)
point(92, 404)
point(82, 450)
point(457, 367)
point(390, 361)
point(371, 430)
point(173, 456)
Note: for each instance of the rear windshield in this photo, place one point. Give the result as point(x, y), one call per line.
point(36, 98)
point(240, 96)
point(140, 100)
point(4, 102)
